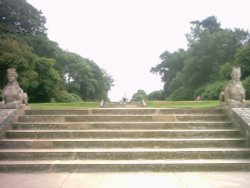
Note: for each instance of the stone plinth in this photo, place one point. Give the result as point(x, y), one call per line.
point(241, 117)
point(12, 106)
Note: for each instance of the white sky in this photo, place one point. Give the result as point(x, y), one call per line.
point(126, 37)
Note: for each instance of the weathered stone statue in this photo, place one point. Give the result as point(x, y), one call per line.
point(234, 93)
point(13, 95)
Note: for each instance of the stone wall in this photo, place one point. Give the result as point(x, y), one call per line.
point(241, 117)
point(7, 116)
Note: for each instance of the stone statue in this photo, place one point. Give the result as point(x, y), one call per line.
point(13, 95)
point(234, 93)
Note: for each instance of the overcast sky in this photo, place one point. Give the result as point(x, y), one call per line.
point(126, 37)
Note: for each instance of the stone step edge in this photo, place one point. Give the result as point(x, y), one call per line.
point(126, 139)
point(129, 150)
point(121, 122)
point(127, 109)
point(123, 131)
point(167, 161)
point(128, 115)
point(126, 166)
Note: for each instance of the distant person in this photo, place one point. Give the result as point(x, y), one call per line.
point(124, 98)
point(198, 98)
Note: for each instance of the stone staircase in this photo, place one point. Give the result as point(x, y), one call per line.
point(123, 139)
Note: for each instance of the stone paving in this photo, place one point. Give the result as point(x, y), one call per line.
point(127, 180)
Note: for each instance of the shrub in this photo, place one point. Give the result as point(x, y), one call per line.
point(246, 84)
point(211, 91)
point(66, 97)
point(178, 94)
point(156, 95)
point(139, 95)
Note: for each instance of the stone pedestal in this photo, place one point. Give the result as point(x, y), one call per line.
point(234, 105)
point(12, 106)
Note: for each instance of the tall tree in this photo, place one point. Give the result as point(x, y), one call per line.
point(243, 60)
point(171, 65)
point(199, 70)
point(46, 72)
point(14, 53)
point(37, 75)
point(139, 95)
point(18, 16)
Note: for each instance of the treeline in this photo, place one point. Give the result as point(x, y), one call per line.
point(46, 72)
point(205, 67)
point(140, 94)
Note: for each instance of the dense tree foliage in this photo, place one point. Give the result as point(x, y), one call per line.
point(17, 16)
point(139, 95)
point(153, 96)
point(205, 66)
point(156, 95)
point(46, 72)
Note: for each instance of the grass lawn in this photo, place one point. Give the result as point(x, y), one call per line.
point(183, 104)
point(151, 104)
point(64, 105)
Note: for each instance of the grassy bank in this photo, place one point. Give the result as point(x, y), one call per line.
point(183, 104)
point(151, 104)
point(64, 105)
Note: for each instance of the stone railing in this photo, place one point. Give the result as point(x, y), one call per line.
point(7, 116)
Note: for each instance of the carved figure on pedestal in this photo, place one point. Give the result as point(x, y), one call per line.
point(234, 93)
point(13, 94)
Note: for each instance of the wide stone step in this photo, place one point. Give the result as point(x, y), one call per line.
point(125, 154)
point(124, 139)
point(186, 133)
point(122, 125)
point(125, 165)
point(120, 118)
point(123, 143)
point(132, 111)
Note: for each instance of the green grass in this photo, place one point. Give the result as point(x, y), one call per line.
point(64, 105)
point(151, 104)
point(183, 104)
